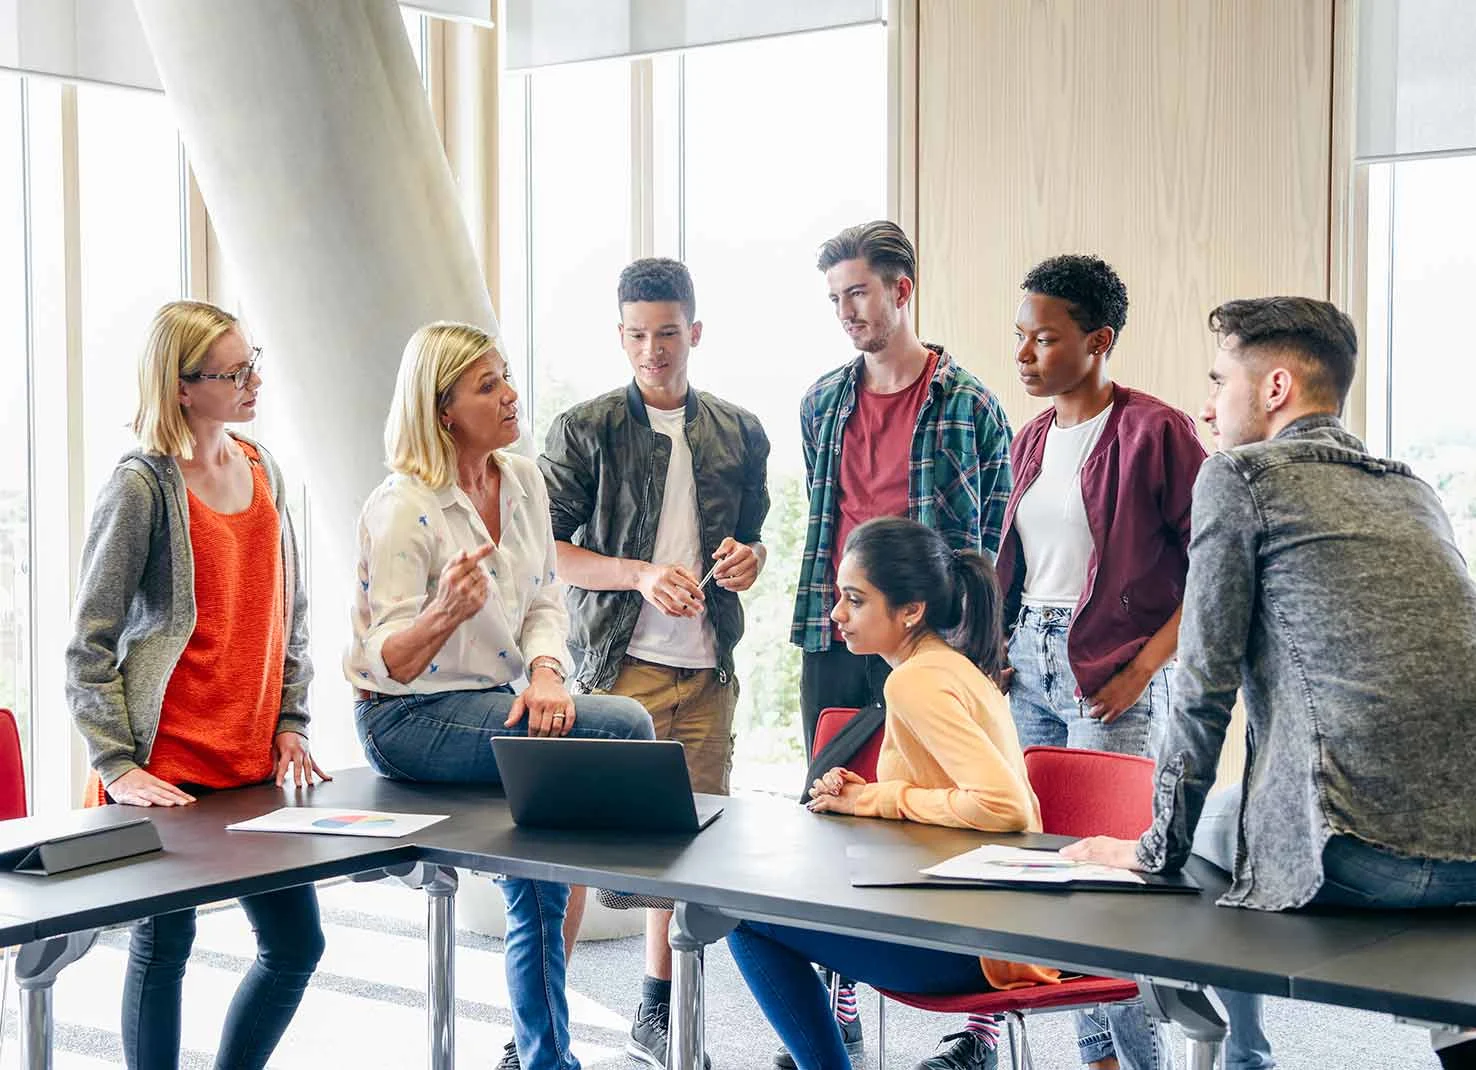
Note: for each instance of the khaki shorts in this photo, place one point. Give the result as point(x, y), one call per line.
point(692, 707)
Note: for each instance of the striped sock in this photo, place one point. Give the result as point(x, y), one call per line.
point(987, 1026)
point(845, 1005)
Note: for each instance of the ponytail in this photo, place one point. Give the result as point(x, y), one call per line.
point(977, 632)
point(909, 562)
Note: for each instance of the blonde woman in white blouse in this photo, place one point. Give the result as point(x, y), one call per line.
point(458, 598)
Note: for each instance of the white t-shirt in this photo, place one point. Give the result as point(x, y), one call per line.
point(681, 642)
point(1051, 518)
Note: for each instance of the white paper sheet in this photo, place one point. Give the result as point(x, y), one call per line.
point(997, 863)
point(331, 821)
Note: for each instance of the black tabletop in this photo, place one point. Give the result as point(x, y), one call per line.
point(1427, 972)
point(771, 859)
point(201, 862)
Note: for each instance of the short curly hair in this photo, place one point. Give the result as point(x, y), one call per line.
point(658, 278)
point(1092, 291)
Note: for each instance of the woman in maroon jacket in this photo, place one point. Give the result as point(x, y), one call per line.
point(1095, 551)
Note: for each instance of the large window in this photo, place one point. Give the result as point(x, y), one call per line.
point(746, 161)
point(15, 451)
point(578, 232)
point(131, 202)
point(91, 244)
point(1422, 272)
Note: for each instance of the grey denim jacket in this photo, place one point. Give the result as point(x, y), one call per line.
point(135, 611)
point(1326, 583)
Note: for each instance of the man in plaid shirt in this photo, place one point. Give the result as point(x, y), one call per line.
point(902, 430)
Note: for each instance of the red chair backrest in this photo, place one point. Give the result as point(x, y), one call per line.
point(831, 721)
point(12, 769)
point(1091, 792)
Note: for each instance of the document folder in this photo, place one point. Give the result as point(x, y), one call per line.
point(901, 867)
point(50, 845)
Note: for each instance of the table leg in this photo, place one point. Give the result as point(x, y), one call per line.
point(441, 968)
point(1190, 1009)
point(37, 965)
point(693, 927)
point(439, 884)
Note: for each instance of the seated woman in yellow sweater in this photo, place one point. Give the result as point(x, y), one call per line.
point(950, 756)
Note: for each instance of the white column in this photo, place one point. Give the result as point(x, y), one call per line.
point(315, 150)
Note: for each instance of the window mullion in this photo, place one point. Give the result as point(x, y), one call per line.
point(642, 160)
point(681, 157)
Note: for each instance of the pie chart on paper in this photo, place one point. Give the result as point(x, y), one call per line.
point(326, 821)
point(354, 821)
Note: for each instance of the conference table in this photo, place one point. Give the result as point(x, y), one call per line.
point(764, 859)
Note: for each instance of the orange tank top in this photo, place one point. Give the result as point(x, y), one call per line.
point(223, 700)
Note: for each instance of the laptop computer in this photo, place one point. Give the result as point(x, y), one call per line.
point(634, 785)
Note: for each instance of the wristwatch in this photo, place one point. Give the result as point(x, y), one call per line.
point(544, 661)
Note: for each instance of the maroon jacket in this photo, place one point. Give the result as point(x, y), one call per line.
point(1136, 484)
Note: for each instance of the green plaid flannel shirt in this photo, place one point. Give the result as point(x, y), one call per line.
point(958, 476)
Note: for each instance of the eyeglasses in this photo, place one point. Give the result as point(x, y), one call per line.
point(240, 377)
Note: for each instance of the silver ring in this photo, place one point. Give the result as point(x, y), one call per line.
point(558, 717)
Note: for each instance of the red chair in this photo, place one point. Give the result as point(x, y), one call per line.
point(1081, 793)
point(12, 769)
point(831, 721)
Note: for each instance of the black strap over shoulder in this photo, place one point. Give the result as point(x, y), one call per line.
point(844, 745)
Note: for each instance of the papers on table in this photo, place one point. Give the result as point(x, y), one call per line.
point(327, 821)
point(998, 864)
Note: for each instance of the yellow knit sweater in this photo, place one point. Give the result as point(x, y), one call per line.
point(950, 756)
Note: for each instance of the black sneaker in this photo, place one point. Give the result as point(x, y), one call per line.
point(850, 1037)
point(649, 1034)
point(967, 1052)
point(509, 1059)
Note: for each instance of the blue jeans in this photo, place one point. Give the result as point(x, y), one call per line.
point(1358, 874)
point(775, 962)
point(1048, 713)
point(1216, 839)
point(446, 738)
point(289, 943)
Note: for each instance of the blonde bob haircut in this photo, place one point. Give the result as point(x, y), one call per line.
point(416, 443)
point(179, 339)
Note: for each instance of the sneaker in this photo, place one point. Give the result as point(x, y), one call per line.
point(967, 1052)
point(649, 1034)
point(850, 1037)
point(509, 1059)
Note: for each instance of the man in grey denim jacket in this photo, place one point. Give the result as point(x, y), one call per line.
point(1326, 583)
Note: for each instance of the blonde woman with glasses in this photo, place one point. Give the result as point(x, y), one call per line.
point(458, 598)
point(188, 667)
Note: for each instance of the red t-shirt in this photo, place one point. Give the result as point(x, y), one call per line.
point(876, 453)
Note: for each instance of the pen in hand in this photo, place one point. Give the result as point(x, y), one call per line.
point(711, 572)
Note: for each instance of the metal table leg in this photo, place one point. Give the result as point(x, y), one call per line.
point(693, 927)
point(440, 989)
point(439, 884)
point(1190, 1009)
point(36, 967)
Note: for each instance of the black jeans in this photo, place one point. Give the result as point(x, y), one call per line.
point(289, 943)
point(836, 677)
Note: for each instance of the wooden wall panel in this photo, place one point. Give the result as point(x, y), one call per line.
point(1185, 141)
